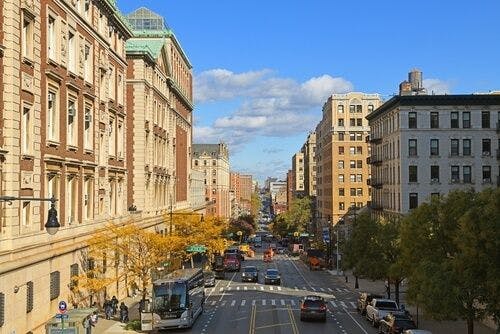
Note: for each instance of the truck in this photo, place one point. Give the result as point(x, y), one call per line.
point(379, 308)
point(218, 266)
point(296, 249)
point(315, 259)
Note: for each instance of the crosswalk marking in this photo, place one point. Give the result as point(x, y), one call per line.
point(253, 302)
point(329, 289)
point(243, 302)
point(279, 288)
point(304, 288)
point(233, 302)
point(223, 303)
point(353, 305)
point(322, 289)
point(313, 288)
point(255, 288)
point(333, 303)
point(338, 289)
point(262, 288)
point(238, 288)
point(343, 304)
point(245, 288)
point(282, 302)
point(271, 288)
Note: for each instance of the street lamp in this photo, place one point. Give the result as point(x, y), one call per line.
point(340, 222)
point(240, 234)
point(52, 225)
point(354, 209)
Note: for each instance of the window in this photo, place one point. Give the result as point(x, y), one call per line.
point(340, 164)
point(54, 284)
point(454, 147)
point(412, 120)
point(112, 84)
point(72, 51)
point(413, 200)
point(352, 108)
point(435, 195)
point(352, 177)
point(88, 129)
point(434, 120)
point(214, 181)
point(454, 119)
point(88, 66)
point(434, 174)
point(88, 198)
point(466, 119)
point(27, 130)
point(341, 206)
point(359, 122)
point(341, 150)
point(466, 170)
point(352, 122)
point(486, 174)
point(370, 108)
point(112, 197)
point(359, 163)
point(52, 38)
point(359, 177)
point(341, 136)
point(27, 36)
point(112, 140)
point(340, 109)
point(341, 191)
point(352, 136)
point(72, 131)
point(434, 147)
point(214, 162)
point(359, 136)
point(486, 147)
point(341, 178)
point(466, 147)
point(52, 115)
point(412, 173)
point(71, 199)
point(485, 119)
point(53, 188)
point(120, 145)
point(86, 8)
point(412, 147)
point(73, 274)
point(352, 164)
point(359, 192)
point(120, 89)
point(196, 162)
point(29, 296)
point(353, 192)
point(341, 122)
point(26, 213)
point(455, 174)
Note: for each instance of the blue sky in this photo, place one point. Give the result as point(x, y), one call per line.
point(264, 68)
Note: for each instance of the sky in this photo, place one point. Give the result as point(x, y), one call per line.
point(264, 68)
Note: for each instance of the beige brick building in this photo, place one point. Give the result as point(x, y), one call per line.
point(159, 93)
point(63, 135)
point(308, 150)
point(213, 161)
point(298, 174)
point(341, 152)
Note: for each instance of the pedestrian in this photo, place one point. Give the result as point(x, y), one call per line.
point(87, 325)
point(94, 318)
point(108, 309)
point(114, 304)
point(123, 312)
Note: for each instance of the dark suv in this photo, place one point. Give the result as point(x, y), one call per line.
point(250, 274)
point(313, 308)
point(364, 299)
point(395, 324)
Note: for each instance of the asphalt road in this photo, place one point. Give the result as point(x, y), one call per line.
point(237, 307)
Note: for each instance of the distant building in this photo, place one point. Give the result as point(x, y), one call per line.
point(241, 185)
point(213, 161)
point(289, 187)
point(278, 194)
point(298, 174)
point(267, 184)
point(429, 145)
point(309, 150)
point(341, 152)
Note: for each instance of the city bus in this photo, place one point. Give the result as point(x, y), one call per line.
point(176, 302)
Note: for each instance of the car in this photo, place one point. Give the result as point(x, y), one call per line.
point(395, 324)
point(272, 277)
point(416, 331)
point(364, 299)
point(313, 307)
point(379, 308)
point(281, 250)
point(209, 277)
point(250, 274)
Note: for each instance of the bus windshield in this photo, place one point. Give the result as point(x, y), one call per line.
point(170, 296)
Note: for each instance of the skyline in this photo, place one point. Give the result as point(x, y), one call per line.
point(261, 77)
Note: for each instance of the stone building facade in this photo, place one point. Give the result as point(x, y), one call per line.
point(213, 161)
point(341, 152)
point(241, 186)
point(159, 118)
point(309, 150)
point(298, 174)
point(63, 135)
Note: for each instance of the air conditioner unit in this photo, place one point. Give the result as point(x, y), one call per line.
point(71, 111)
point(88, 117)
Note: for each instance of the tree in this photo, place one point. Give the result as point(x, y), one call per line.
point(245, 223)
point(299, 213)
point(255, 204)
point(450, 248)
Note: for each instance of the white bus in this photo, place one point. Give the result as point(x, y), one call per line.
point(177, 301)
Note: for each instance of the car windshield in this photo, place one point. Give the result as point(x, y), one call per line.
point(272, 272)
point(170, 296)
point(387, 305)
point(313, 303)
point(406, 324)
point(250, 269)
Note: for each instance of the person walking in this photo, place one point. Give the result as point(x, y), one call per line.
point(108, 309)
point(123, 312)
point(114, 304)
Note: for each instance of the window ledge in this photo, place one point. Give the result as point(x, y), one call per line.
point(28, 61)
point(27, 157)
point(88, 84)
point(72, 148)
point(52, 61)
point(434, 156)
point(88, 151)
point(52, 143)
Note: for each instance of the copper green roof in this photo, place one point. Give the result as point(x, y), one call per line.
point(147, 45)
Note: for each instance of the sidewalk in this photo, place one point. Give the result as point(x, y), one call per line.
point(436, 327)
point(114, 326)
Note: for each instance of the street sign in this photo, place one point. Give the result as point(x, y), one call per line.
point(196, 249)
point(63, 306)
point(62, 316)
point(326, 234)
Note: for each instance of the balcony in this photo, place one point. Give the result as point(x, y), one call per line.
point(374, 160)
point(376, 184)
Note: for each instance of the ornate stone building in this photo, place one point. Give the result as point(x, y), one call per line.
point(63, 127)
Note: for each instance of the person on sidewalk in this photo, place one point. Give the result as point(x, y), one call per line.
point(94, 318)
point(114, 304)
point(123, 312)
point(108, 309)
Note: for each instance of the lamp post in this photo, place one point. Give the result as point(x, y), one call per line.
point(240, 234)
point(52, 225)
point(354, 210)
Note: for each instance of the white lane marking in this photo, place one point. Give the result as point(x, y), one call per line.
point(271, 288)
point(313, 288)
point(357, 323)
point(262, 288)
point(292, 302)
point(238, 288)
point(330, 290)
point(213, 302)
point(233, 303)
point(279, 288)
point(322, 289)
point(333, 303)
point(243, 302)
point(273, 302)
point(343, 304)
point(263, 302)
point(353, 305)
point(245, 288)
point(253, 302)
point(282, 302)
point(338, 289)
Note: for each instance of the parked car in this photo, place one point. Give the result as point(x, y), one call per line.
point(379, 308)
point(272, 277)
point(364, 299)
point(395, 324)
point(250, 274)
point(313, 308)
point(209, 277)
point(416, 331)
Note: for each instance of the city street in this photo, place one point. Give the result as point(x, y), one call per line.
point(236, 307)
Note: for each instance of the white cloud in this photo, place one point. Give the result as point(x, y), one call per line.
point(436, 86)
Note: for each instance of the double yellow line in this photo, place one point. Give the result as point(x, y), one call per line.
point(251, 329)
point(293, 323)
point(295, 329)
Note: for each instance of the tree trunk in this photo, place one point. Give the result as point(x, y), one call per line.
point(396, 290)
point(388, 289)
point(470, 325)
